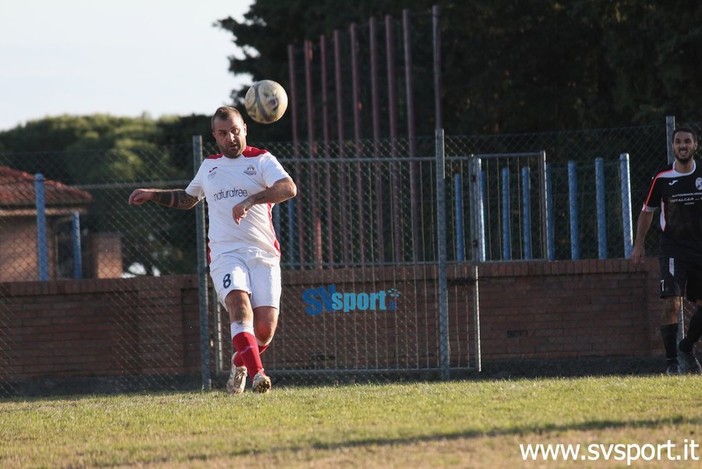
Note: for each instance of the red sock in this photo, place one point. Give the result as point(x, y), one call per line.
point(247, 351)
point(238, 361)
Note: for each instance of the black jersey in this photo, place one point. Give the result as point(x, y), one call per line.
point(679, 196)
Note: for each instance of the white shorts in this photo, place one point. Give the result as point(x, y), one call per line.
point(257, 273)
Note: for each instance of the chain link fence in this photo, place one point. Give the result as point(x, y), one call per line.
point(364, 222)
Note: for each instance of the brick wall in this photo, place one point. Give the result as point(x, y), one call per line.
point(68, 328)
point(570, 309)
point(528, 310)
point(104, 327)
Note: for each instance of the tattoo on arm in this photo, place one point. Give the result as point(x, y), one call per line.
point(164, 198)
point(183, 200)
point(176, 198)
point(257, 198)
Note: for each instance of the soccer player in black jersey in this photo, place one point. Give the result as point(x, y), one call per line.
point(677, 190)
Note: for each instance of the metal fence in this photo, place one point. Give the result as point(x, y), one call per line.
point(361, 205)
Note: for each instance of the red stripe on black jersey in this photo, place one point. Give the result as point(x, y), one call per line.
point(679, 196)
point(668, 172)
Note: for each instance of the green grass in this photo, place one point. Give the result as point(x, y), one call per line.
point(454, 424)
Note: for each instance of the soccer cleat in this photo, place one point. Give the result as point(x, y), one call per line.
point(237, 379)
point(261, 383)
point(688, 362)
point(672, 369)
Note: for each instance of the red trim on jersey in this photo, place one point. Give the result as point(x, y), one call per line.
point(251, 152)
point(276, 244)
point(655, 178)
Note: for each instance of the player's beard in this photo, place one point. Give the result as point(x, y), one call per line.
point(684, 159)
point(233, 150)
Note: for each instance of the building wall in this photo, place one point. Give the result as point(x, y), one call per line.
point(18, 250)
point(103, 327)
point(104, 259)
point(19, 258)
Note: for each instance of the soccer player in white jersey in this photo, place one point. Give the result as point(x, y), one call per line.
point(676, 190)
point(241, 185)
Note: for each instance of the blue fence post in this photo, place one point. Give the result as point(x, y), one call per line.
point(476, 210)
point(550, 216)
point(458, 207)
point(601, 208)
point(77, 255)
point(526, 212)
point(506, 236)
point(42, 248)
point(626, 204)
point(573, 209)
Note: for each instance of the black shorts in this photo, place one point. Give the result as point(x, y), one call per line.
point(681, 278)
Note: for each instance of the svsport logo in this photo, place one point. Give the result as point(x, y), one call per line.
point(328, 299)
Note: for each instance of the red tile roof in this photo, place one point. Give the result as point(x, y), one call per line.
point(17, 190)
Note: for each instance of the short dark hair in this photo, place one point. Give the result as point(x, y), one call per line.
point(224, 112)
point(686, 129)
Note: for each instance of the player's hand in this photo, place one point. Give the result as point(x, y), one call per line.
point(637, 254)
point(140, 196)
point(239, 211)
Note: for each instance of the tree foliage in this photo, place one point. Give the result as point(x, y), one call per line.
point(510, 65)
point(97, 148)
point(271, 25)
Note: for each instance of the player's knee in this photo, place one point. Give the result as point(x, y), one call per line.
point(238, 306)
point(668, 316)
point(265, 324)
point(264, 333)
point(264, 340)
point(670, 311)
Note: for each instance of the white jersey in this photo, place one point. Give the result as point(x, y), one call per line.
point(225, 182)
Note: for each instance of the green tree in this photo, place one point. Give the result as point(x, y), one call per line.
point(652, 52)
point(510, 65)
point(270, 26)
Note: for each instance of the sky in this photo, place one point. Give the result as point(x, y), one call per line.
point(118, 57)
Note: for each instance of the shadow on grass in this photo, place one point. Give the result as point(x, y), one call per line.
point(595, 425)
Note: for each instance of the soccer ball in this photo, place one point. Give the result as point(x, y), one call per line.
point(266, 101)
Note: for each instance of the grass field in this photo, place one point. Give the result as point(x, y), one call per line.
point(439, 424)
